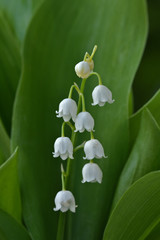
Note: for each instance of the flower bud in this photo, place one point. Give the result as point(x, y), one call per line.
point(67, 109)
point(101, 95)
point(63, 147)
point(82, 69)
point(64, 201)
point(84, 121)
point(93, 149)
point(91, 173)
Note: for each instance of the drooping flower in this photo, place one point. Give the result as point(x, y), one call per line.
point(93, 149)
point(101, 94)
point(91, 173)
point(82, 69)
point(63, 147)
point(67, 109)
point(64, 201)
point(84, 121)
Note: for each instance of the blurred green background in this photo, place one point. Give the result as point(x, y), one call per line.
point(147, 79)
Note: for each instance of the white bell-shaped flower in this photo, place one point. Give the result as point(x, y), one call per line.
point(67, 109)
point(84, 121)
point(64, 201)
point(82, 69)
point(101, 94)
point(91, 173)
point(63, 147)
point(93, 149)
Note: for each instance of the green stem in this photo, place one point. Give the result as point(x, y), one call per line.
point(70, 125)
point(82, 90)
point(99, 77)
point(71, 91)
point(63, 182)
point(83, 85)
point(69, 161)
point(61, 226)
point(79, 146)
point(93, 52)
point(92, 136)
point(63, 126)
point(81, 96)
point(62, 216)
point(62, 129)
point(83, 103)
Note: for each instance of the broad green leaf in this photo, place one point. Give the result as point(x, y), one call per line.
point(155, 233)
point(10, 64)
point(153, 106)
point(130, 103)
point(4, 144)
point(10, 229)
point(10, 200)
point(145, 154)
point(138, 212)
point(127, 28)
point(55, 42)
point(19, 13)
point(147, 77)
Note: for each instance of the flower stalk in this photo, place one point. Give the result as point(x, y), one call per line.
point(64, 147)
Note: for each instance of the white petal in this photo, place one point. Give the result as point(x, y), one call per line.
point(101, 104)
point(63, 147)
point(98, 173)
point(55, 155)
point(88, 173)
point(91, 173)
point(66, 118)
point(71, 156)
point(88, 122)
point(64, 209)
point(111, 101)
point(99, 150)
point(89, 149)
point(67, 109)
point(82, 69)
point(95, 97)
point(64, 200)
point(60, 145)
point(101, 94)
point(69, 145)
point(59, 114)
point(93, 149)
point(94, 104)
point(64, 156)
point(84, 121)
point(79, 122)
point(73, 206)
point(58, 206)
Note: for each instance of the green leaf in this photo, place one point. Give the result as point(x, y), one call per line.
point(19, 14)
point(4, 144)
point(55, 42)
point(130, 103)
point(147, 77)
point(10, 200)
point(10, 229)
point(10, 64)
point(138, 212)
point(145, 154)
point(155, 233)
point(153, 106)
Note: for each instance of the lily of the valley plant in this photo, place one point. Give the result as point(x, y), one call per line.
point(81, 121)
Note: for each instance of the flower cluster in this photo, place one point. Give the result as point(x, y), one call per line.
point(81, 121)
